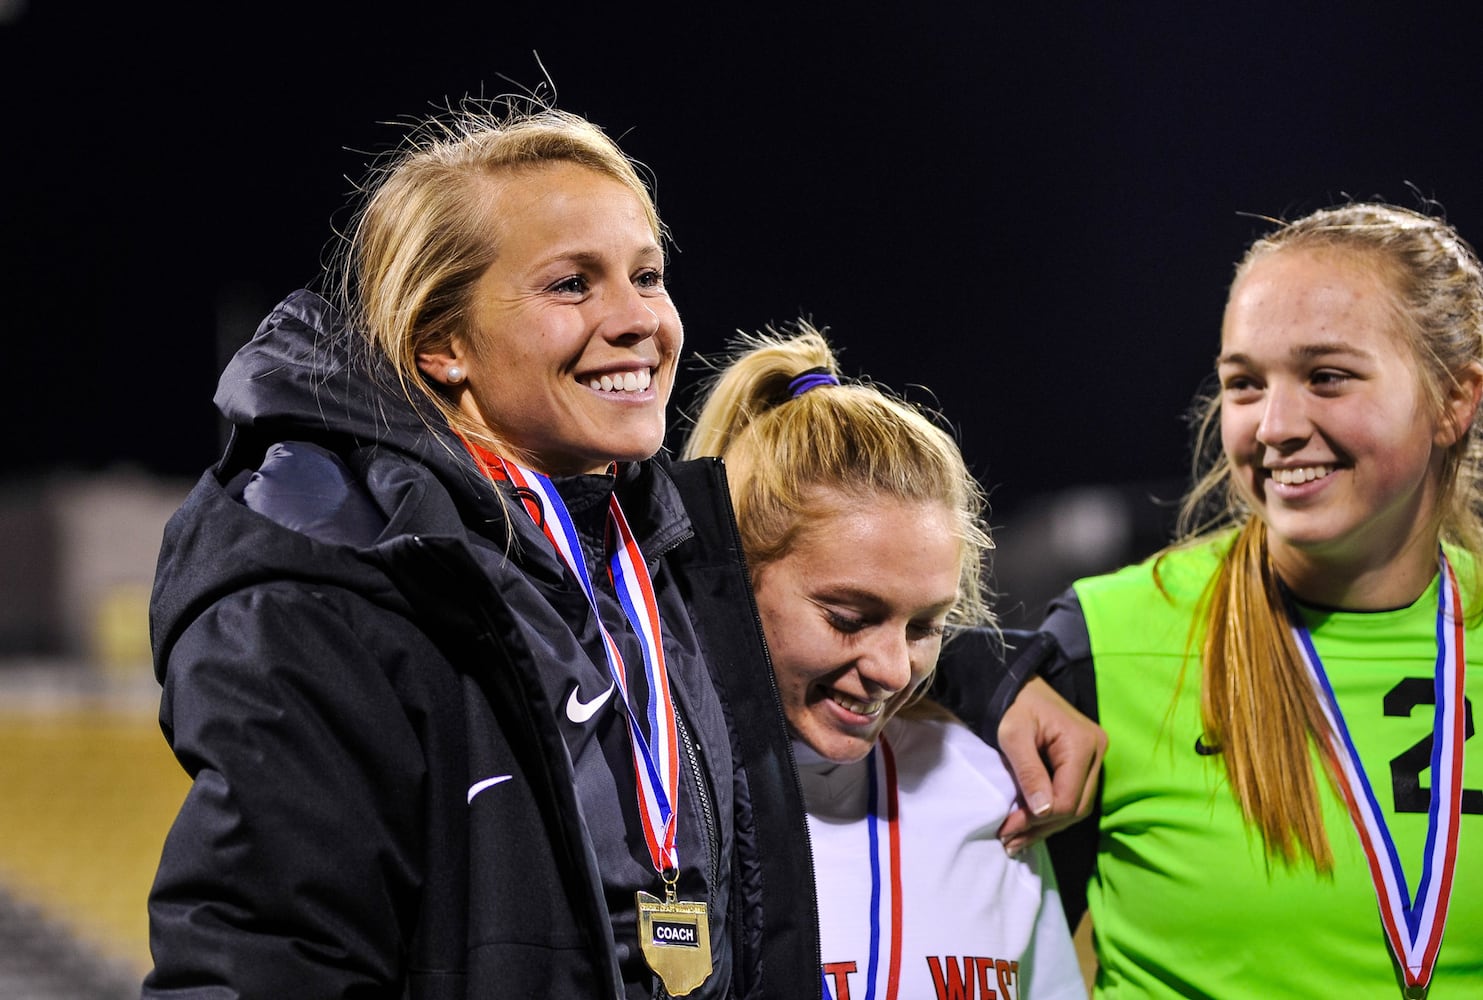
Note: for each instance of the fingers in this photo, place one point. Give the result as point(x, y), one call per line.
point(1014, 832)
point(1018, 733)
point(1019, 738)
point(1093, 778)
point(1075, 757)
point(1055, 754)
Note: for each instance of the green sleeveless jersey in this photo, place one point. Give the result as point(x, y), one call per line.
point(1183, 900)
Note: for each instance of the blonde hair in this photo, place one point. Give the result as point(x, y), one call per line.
point(426, 230)
point(856, 439)
point(1257, 702)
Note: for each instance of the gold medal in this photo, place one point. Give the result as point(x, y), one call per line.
point(676, 939)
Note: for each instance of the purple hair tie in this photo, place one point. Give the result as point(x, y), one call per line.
point(811, 379)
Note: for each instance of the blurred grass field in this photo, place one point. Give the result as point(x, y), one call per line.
point(89, 790)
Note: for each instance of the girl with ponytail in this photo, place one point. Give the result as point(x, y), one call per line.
point(863, 532)
point(1291, 791)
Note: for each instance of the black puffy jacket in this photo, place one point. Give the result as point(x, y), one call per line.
point(339, 667)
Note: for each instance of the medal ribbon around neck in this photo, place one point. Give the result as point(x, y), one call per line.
point(881, 768)
point(656, 760)
point(1414, 928)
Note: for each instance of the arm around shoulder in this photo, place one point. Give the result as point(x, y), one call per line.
point(981, 672)
point(1073, 850)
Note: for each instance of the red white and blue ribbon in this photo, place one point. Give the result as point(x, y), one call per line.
point(1413, 926)
point(655, 745)
point(883, 828)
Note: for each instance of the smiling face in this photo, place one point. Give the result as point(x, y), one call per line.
point(854, 615)
point(574, 341)
point(1323, 416)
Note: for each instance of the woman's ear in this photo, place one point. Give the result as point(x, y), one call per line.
point(442, 365)
point(1461, 406)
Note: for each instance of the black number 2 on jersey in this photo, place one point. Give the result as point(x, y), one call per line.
point(1406, 768)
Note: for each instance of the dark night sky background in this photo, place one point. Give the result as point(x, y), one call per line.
point(1032, 209)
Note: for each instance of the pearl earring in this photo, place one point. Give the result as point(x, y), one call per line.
point(454, 375)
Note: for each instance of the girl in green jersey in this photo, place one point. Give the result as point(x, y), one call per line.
point(1291, 791)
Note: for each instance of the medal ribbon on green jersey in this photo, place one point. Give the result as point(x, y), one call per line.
point(1413, 926)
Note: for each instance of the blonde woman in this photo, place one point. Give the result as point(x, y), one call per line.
point(863, 530)
point(1291, 801)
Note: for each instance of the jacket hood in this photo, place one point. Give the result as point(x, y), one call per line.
point(245, 549)
point(305, 374)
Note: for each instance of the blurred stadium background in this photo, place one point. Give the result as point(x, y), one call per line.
point(88, 785)
point(1062, 188)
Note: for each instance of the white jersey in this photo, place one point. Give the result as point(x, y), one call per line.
point(930, 905)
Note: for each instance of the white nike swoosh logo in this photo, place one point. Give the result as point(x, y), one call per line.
point(479, 786)
point(580, 711)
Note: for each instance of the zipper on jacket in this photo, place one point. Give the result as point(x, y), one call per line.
point(711, 837)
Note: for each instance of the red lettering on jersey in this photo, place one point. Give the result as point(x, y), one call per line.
point(952, 983)
point(974, 978)
point(841, 973)
point(985, 974)
point(1009, 974)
